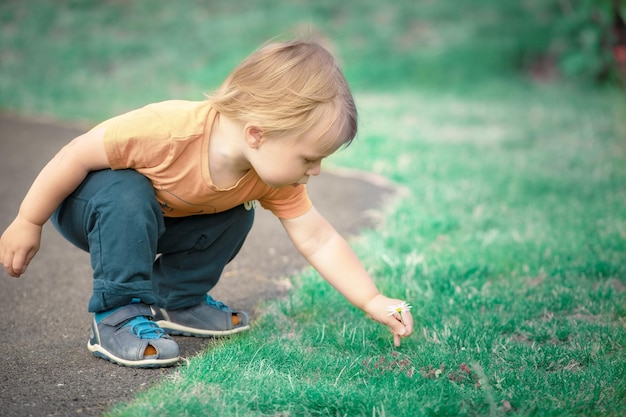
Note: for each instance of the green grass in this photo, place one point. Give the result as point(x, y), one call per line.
point(510, 243)
point(510, 240)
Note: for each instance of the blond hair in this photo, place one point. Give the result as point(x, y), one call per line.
point(289, 87)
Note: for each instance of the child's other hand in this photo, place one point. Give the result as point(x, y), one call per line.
point(18, 245)
point(377, 309)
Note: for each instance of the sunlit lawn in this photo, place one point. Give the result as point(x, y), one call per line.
point(509, 242)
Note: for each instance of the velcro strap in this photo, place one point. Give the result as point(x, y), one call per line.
point(126, 313)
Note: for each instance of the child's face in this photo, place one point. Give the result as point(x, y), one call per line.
point(288, 160)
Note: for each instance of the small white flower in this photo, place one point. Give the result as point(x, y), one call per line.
point(400, 308)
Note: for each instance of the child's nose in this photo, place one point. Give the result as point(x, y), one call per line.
point(314, 169)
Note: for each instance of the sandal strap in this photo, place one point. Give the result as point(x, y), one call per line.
point(126, 313)
point(217, 304)
point(143, 328)
point(243, 316)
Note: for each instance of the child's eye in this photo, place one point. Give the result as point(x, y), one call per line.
point(310, 161)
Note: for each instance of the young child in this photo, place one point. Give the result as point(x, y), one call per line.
point(161, 199)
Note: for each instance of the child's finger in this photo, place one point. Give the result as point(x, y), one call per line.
point(397, 328)
point(401, 327)
point(19, 263)
point(7, 263)
point(408, 322)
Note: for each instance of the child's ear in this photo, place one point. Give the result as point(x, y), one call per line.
point(253, 135)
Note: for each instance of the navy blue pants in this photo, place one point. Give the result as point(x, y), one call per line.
point(115, 216)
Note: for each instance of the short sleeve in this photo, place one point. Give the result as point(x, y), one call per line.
point(287, 202)
point(137, 139)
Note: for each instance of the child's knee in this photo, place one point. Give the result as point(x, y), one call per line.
point(130, 182)
point(132, 191)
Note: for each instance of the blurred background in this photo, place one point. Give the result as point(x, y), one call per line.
point(85, 60)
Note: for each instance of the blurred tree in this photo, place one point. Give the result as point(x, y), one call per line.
point(589, 39)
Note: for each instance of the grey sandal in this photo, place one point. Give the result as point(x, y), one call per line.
point(208, 319)
point(128, 337)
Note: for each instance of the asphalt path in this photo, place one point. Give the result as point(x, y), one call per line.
point(45, 367)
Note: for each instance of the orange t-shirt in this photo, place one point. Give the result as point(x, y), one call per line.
point(168, 142)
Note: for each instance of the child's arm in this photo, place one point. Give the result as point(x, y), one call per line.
point(329, 253)
point(58, 179)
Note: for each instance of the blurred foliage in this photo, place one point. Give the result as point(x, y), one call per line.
point(587, 32)
point(87, 59)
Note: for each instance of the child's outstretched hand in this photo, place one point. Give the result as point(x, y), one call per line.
point(383, 310)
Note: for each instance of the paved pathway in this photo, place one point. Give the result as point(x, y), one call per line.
point(45, 367)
